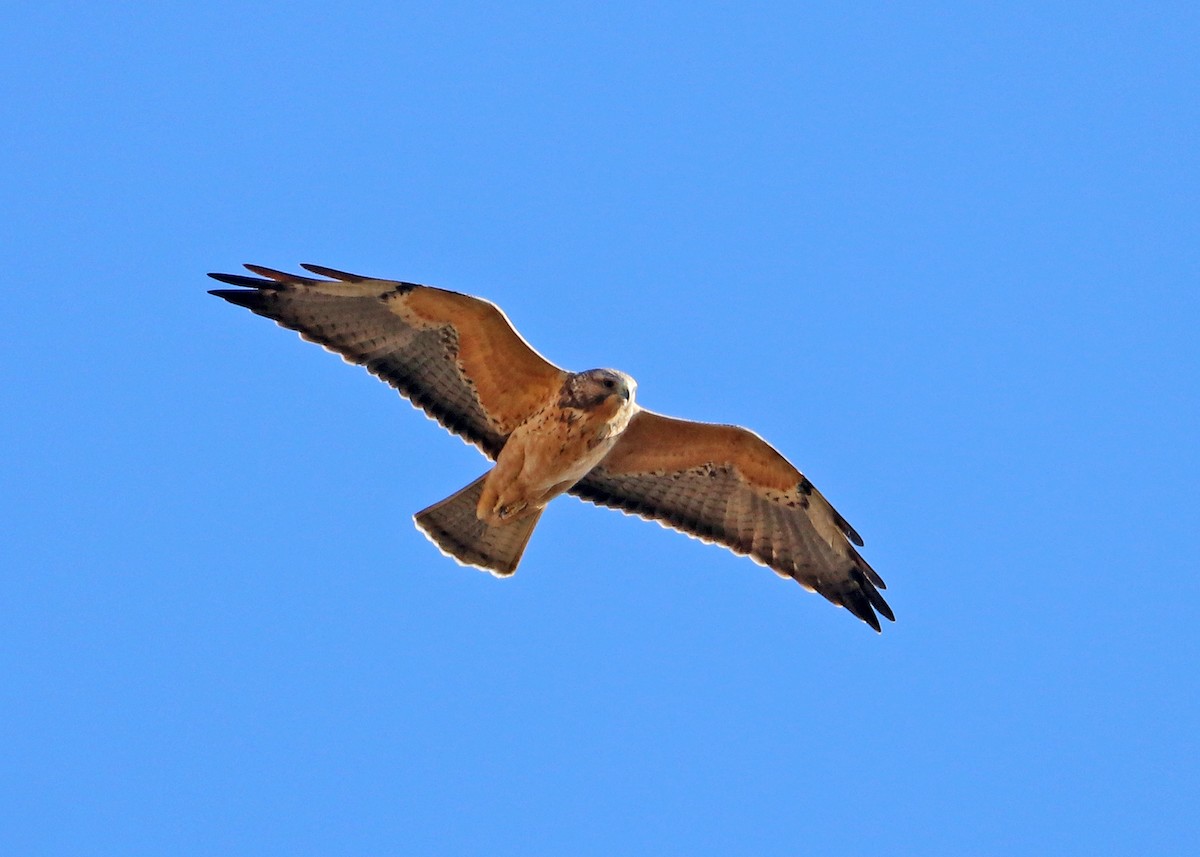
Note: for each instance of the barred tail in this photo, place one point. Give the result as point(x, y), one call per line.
point(453, 526)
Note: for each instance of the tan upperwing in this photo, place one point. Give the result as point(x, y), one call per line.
point(654, 442)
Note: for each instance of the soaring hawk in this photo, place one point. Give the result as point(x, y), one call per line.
point(550, 431)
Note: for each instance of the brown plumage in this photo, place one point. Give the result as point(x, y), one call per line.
point(551, 431)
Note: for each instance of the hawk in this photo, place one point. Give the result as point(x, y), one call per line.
point(550, 431)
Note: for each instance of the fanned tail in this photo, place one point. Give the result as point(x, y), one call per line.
point(454, 527)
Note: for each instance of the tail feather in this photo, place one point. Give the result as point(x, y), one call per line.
point(453, 526)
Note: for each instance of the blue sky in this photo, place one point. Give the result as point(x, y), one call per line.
point(944, 256)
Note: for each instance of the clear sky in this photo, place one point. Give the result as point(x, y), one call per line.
point(945, 256)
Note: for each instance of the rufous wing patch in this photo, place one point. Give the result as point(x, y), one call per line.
point(654, 442)
point(511, 379)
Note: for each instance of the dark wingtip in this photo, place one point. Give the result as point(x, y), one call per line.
point(278, 276)
point(250, 299)
point(333, 273)
point(871, 619)
point(861, 598)
point(850, 532)
point(865, 579)
point(879, 604)
point(871, 574)
point(243, 281)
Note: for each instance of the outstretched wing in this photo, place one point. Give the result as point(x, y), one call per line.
point(456, 357)
point(727, 485)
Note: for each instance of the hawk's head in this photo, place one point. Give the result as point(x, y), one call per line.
point(589, 390)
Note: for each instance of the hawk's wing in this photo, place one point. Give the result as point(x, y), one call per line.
point(455, 356)
point(727, 485)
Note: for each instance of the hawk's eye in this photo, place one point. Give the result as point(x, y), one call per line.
point(609, 383)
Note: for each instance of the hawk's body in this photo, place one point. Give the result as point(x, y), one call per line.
point(558, 445)
point(551, 431)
